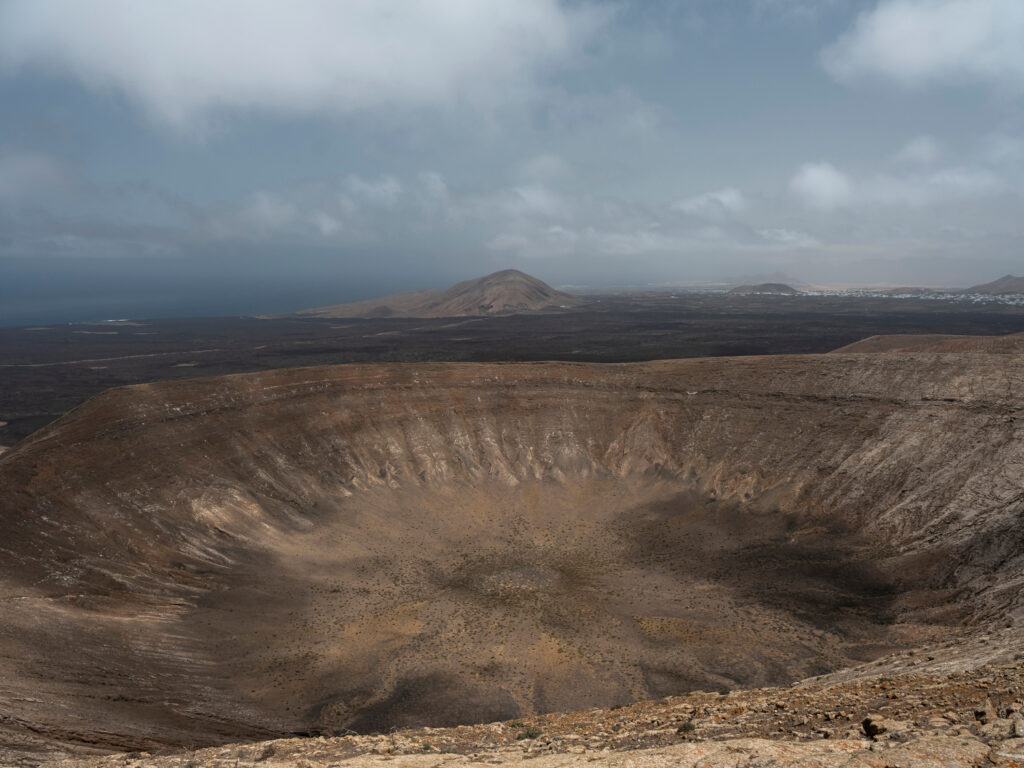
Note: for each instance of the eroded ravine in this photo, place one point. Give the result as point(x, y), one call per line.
point(377, 546)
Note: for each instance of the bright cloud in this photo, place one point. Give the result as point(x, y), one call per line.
point(183, 60)
point(822, 186)
point(915, 42)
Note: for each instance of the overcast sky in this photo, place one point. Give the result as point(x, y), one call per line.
point(245, 156)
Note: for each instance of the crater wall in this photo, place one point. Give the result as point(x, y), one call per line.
point(391, 545)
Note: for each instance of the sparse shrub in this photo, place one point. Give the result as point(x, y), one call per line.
point(529, 733)
point(687, 727)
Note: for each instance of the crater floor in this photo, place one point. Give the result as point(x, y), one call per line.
point(479, 604)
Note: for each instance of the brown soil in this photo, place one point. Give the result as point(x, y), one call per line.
point(1008, 344)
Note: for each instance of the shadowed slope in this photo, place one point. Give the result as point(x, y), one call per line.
point(387, 545)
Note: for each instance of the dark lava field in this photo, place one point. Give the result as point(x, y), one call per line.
point(47, 370)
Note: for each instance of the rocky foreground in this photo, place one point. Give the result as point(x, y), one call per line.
point(912, 712)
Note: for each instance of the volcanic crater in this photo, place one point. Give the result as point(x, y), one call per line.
point(383, 546)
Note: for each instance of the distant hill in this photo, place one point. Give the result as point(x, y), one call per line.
point(505, 292)
point(1004, 285)
point(780, 289)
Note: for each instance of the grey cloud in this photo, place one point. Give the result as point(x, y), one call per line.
point(545, 168)
point(1002, 149)
point(620, 110)
point(384, 191)
point(798, 10)
point(534, 220)
point(503, 133)
point(789, 237)
point(26, 176)
point(717, 204)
